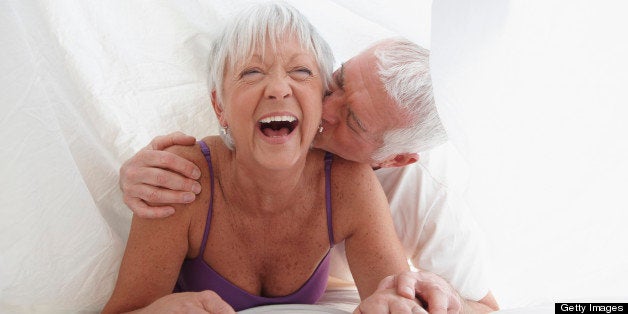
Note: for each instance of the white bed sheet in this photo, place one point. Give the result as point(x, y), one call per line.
point(85, 84)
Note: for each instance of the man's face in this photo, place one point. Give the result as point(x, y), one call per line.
point(357, 112)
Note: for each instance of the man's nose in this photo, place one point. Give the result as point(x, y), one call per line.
point(332, 105)
point(278, 87)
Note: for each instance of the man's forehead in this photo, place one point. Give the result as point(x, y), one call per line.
point(357, 70)
point(367, 95)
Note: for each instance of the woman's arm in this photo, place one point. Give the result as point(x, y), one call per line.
point(362, 217)
point(154, 253)
point(151, 263)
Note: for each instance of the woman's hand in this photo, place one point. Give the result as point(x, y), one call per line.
point(157, 176)
point(385, 301)
point(190, 302)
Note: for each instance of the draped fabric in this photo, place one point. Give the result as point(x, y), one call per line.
point(537, 90)
point(532, 94)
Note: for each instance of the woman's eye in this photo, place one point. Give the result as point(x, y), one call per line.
point(301, 73)
point(305, 70)
point(248, 73)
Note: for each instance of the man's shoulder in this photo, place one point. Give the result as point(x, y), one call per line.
point(414, 176)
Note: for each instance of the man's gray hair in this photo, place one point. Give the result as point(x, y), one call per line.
point(258, 24)
point(405, 72)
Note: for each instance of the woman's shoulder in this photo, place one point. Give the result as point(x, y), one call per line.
point(351, 179)
point(350, 170)
point(356, 194)
point(213, 141)
point(196, 210)
point(194, 152)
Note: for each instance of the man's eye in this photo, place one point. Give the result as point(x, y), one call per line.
point(336, 83)
point(328, 93)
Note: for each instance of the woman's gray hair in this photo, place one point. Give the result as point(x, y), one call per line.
point(258, 24)
point(405, 72)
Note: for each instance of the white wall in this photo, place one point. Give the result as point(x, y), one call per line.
point(536, 93)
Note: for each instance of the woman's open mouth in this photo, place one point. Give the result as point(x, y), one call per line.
point(278, 126)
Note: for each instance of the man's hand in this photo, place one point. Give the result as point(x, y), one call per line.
point(436, 294)
point(156, 176)
point(386, 300)
point(190, 302)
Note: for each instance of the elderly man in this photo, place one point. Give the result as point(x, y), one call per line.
point(380, 110)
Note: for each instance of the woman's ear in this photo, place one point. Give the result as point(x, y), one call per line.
point(218, 109)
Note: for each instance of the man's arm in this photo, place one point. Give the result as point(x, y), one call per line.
point(438, 236)
point(159, 177)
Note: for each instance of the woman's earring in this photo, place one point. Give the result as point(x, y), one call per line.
point(225, 135)
point(320, 127)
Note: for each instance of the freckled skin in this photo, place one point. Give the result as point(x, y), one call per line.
point(268, 229)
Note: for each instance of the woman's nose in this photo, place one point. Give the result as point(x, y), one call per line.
point(278, 87)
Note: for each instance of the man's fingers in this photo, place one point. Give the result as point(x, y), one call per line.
point(164, 179)
point(388, 301)
point(438, 298)
point(169, 161)
point(440, 301)
point(176, 138)
point(432, 291)
point(142, 210)
point(437, 304)
point(156, 195)
point(181, 138)
point(387, 283)
point(406, 284)
point(405, 306)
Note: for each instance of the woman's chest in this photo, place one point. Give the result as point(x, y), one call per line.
point(270, 256)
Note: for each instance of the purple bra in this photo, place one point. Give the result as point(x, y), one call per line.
point(197, 275)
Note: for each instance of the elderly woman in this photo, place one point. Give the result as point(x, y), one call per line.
point(271, 207)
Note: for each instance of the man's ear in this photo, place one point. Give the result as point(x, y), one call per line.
point(399, 160)
point(218, 109)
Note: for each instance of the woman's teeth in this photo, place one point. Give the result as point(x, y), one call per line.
point(276, 126)
point(278, 118)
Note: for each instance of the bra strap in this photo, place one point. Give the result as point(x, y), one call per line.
point(208, 158)
point(330, 230)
